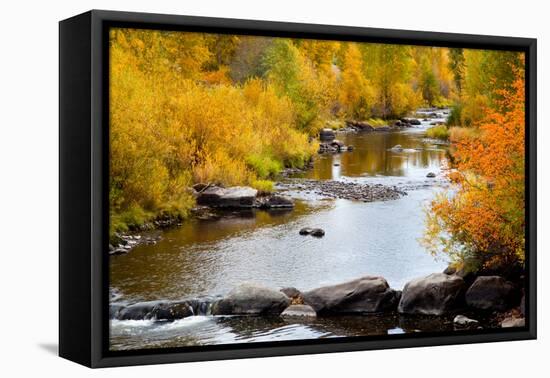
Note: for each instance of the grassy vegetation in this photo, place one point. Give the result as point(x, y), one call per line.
point(377, 122)
point(263, 186)
point(438, 132)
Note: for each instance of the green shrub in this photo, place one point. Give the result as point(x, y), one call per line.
point(377, 122)
point(264, 166)
point(455, 116)
point(263, 186)
point(438, 132)
point(129, 219)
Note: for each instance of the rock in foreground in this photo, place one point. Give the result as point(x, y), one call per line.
point(137, 311)
point(251, 299)
point(436, 294)
point(364, 295)
point(158, 310)
point(491, 293)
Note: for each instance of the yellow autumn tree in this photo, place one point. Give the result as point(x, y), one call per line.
point(356, 92)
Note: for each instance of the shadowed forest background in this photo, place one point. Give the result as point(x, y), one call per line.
point(190, 108)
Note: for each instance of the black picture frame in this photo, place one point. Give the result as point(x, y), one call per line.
point(83, 181)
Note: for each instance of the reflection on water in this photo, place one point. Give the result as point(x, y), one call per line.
point(211, 257)
point(372, 156)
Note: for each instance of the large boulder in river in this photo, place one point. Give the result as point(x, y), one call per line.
point(114, 309)
point(363, 295)
point(158, 310)
point(491, 293)
point(233, 197)
point(137, 311)
point(327, 134)
point(251, 299)
point(436, 294)
point(172, 310)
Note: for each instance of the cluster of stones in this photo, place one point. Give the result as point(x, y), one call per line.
point(438, 294)
point(362, 126)
point(317, 232)
point(407, 122)
point(329, 143)
point(347, 190)
point(125, 243)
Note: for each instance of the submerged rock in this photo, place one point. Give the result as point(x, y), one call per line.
point(318, 232)
point(436, 294)
point(251, 299)
point(491, 293)
point(364, 295)
point(305, 231)
point(172, 310)
point(299, 310)
point(430, 175)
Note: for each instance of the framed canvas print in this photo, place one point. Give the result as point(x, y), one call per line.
point(233, 188)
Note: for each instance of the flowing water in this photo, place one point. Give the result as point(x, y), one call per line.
point(210, 257)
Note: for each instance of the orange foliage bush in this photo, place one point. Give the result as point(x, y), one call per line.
point(482, 222)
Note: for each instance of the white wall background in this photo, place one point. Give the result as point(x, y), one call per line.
point(29, 188)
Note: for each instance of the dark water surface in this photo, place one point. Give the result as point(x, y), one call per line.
point(211, 257)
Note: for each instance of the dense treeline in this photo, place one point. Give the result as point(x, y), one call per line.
point(235, 110)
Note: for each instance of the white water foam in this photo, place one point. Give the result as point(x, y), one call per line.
point(189, 321)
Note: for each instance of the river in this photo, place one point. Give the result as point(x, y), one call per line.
point(210, 257)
